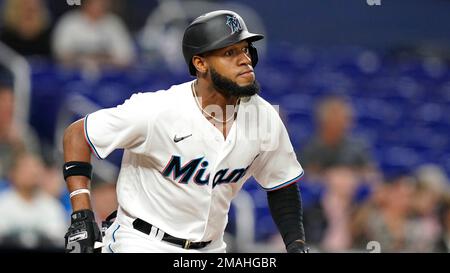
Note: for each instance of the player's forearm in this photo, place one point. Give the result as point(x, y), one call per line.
point(76, 149)
point(287, 212)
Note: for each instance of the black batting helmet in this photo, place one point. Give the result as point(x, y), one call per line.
point(214, 30)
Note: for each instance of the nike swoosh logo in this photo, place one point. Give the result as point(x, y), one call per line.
point(68, 167)
point(178, 139)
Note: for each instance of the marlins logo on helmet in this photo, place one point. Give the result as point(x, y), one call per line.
point(234, 24)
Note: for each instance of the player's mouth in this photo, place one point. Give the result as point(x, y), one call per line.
point(247, 74)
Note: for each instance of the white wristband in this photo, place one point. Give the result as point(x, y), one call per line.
point(72, 194)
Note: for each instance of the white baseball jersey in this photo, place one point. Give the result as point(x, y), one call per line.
point(178, 172)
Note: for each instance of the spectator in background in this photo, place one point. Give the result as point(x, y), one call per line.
point(337, 203)
point(54, 185)
point(30, 218)
point(360, 227)
point(26, 27)
point(389, 218)
point(443, 242)
point(93, 37)
point(14, 138)
point(339, 163)
point(9, 141)
point(332, 146)
point(432, 191)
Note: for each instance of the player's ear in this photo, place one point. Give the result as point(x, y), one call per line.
point(200, 64)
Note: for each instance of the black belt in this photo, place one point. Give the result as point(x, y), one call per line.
point(146, 228)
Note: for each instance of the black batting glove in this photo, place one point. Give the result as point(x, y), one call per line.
point(83, 233)
point(297, 247)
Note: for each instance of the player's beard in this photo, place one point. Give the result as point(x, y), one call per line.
point(230, 88)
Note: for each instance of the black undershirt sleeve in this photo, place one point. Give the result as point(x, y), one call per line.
point(286, 208)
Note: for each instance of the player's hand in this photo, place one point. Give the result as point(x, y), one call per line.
point(297, 247)
point(83, 235)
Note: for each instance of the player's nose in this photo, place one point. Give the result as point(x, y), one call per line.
point(245, 59)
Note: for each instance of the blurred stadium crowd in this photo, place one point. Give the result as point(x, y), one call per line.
point(370, 127)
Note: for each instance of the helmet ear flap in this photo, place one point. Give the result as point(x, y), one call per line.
point(253, 54)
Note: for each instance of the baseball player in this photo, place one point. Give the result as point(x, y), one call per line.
point(187, 152)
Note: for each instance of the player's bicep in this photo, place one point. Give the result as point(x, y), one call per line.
point(121, 127)
point(278, 167)
point(279, 170)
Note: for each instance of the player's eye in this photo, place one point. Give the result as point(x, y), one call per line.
point(246, 50)
point(229, 53)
